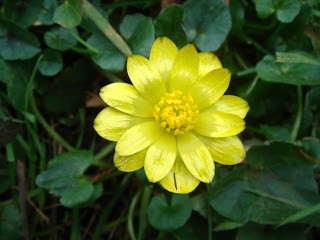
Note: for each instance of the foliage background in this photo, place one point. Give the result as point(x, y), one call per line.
point(57, 177)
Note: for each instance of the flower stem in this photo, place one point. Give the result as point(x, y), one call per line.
point(104, 152)
point(297, 122)
point(209, 218)
point(105, 27)
point(47, 127)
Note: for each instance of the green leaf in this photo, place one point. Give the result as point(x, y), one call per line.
point(138, 32)
point(73, 191)
point(17, 43)
point(10, 223)
point(289, 73)
point(169, 216)
point(312, 107)
point(6, 74)
point(297, 57)
point(51, 63)
point(255, 231)
point(68, 14)
point(47, 10)
point(109, 57)
point(60, 38)
point(169, 23)
point(312, 147)
point(276, 133)
point(207, 23)
point(22, 13)
point(286, 10)
point(227, 225)
point(277, 184)
point(64, 177)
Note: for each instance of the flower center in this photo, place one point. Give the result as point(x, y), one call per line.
point(176, 113)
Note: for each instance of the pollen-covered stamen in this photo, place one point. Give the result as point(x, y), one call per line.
point(176, 113)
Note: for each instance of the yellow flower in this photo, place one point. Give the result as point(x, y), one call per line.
point(174, 120)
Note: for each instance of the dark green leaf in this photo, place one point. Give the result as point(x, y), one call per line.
point(169, 216)
point(22, 13)
point(278, 183)
point(276, 133)
point(297, 57)
point(138, 32)
point(311, 146)
point(68, 14)
point(289, 73)
point(169, 23)
point(6, 74)
point(17, 43)
point(228, 225)
point(64, 177)
point(109, 57)
point(10, 223)
point(286, 10)
point(47, 11)
point(312, 107)
point(207, 23)
point(51, 63)
point(60, 38)
point(256, 231)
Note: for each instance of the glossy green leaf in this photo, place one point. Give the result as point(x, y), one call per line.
point(109, 57)
point(289, 73)
point(168, 216)
point(169, 23)
point(47, 10)
point(60, 38)
point(207, 23)
point(286, 10)
point(278, 183)
point(17, 43)
point(68, 14)
point(22, 13)
point(138, 32)
point(64, 177)
point(51, 63)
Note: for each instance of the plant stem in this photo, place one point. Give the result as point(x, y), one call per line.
point(104, 152)
point(297, 123)
point(105, 27)
point(251, 87)
point(209, 218)
point(47, 127)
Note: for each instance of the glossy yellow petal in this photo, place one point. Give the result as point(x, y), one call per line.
point(227, 151)
point(219, 124)
point(160, 157)
point(138, 138)
point(130, 163)
point(230, 104)
point(162, 55)
point(210, 87)
point(126, 98)
point(111, 123)
point(185, 69)
point(146, 78)
point(208, 62)
point(196, 157)
point(179, 179)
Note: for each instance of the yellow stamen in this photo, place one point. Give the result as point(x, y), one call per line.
point(176, 113)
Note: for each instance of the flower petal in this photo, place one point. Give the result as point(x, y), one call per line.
point(230, 104)
point(138, 138)
point(146, 78)
point(126, 98)
point(208, 62)
point(130, 163)
point(160, 157)
point(185, 69)
point(227, 151)
point(219, 124)
point(111, 123)
point(162, 55)
point(196, 157)
point(179, 179)
point(210, 87)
